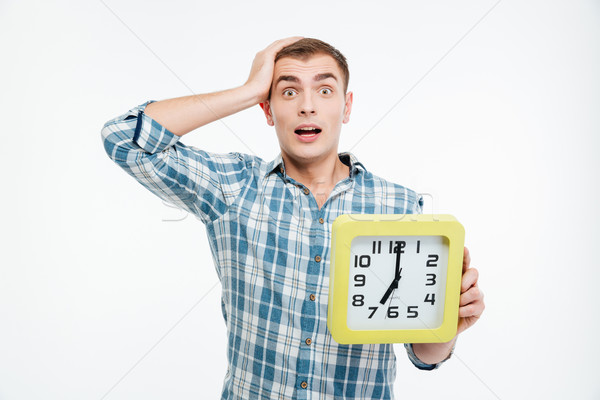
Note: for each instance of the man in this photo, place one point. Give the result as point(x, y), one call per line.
point(269, 223)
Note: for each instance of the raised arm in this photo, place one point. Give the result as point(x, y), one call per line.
point(145, 143)
point(182, 115)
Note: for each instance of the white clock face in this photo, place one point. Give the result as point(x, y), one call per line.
point(397, 282)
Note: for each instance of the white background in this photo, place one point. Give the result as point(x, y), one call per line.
point(100, 298)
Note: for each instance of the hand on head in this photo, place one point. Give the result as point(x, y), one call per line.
point(261, 74)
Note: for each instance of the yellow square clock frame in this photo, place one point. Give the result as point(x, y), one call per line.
point(395, 278)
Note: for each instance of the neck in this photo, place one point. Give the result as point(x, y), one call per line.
point(320, 177)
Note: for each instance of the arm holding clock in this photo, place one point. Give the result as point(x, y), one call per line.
point(471, 308)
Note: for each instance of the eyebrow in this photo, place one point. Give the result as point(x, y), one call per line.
point(316, 78)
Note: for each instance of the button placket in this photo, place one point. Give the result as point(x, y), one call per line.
point(309, 317)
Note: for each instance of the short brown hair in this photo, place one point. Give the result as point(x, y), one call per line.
point(307, 47)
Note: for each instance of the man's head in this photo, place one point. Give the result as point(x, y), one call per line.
point(308, 100)
point(305, 48)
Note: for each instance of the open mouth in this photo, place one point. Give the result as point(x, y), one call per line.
point(308, 131)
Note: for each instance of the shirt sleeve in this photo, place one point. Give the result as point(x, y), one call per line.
point(420, 364)
point(202, 183)
point(417, 205)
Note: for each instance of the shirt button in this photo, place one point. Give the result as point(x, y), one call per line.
point(321, 220)
point(312, 297)
point(318, 258)
point(281, 169)
point(304, 385)
point(306, 191)
point(308, 341)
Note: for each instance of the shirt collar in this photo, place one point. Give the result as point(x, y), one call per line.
point(349, 159)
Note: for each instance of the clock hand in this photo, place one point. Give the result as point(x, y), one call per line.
point(398, 269)
point(390, 289)
point(388, 292)
point(397, 277)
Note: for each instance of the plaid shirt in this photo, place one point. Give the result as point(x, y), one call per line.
point(270, 245)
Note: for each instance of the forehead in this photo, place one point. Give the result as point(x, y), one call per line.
point(308, 68)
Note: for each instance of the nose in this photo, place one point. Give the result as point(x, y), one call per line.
point(307, 107)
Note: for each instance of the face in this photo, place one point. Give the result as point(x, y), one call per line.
point(307, 108)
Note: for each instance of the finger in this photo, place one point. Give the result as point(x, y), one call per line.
point(469, 279)
point(281, 43)
point(466, 260)
point(472, 295)
point(466, 311)
point(474, 309)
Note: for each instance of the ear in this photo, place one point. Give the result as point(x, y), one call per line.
point(266, 107)
point(348, 107)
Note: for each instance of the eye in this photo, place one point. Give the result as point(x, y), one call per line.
point(325, 91)
point(288, 93)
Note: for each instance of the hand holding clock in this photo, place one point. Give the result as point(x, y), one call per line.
point(440, 297)
point(471, 297)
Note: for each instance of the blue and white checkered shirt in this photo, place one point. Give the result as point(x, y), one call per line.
point(270, 244)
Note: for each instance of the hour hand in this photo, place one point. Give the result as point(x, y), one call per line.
point(388, 292)
point(390, 289)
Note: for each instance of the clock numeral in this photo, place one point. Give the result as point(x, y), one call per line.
point(430, 298)
point(362, 261)
point(432, 260)
point(377, 246)
point(374, 309)
point(359, 280)
point(418, 246)
point(358, 300)
point(412, 312)
point(393, 312)
point(400, 245)
point(430, 280)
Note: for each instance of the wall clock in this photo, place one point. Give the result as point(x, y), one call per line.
point(395, 278)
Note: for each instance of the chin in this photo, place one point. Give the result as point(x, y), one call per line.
point(308, 155)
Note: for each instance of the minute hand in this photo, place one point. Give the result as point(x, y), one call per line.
point(397, 277)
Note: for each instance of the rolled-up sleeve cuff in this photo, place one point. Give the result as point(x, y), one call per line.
point(420, 364)
point(151, 136)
